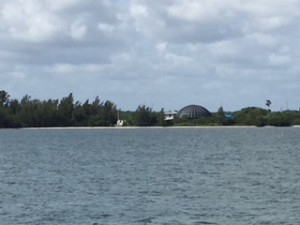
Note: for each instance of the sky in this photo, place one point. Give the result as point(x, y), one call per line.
point(162, 54)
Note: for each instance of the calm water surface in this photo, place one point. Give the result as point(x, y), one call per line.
point(185, 176)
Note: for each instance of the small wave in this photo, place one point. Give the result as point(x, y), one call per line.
point(205, 222)
point(105, 215)
point(101, 216)
point(145, 220)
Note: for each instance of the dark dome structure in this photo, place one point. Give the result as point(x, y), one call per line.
point(193, 111)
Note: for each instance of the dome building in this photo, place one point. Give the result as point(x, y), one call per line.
point(193, 111)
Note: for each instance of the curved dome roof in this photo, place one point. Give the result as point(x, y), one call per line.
point(194, 111)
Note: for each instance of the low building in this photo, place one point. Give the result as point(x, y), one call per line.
point(169, 116)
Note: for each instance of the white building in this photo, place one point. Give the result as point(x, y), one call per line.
point(169, 116)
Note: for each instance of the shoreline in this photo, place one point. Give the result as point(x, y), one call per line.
point(153, 127)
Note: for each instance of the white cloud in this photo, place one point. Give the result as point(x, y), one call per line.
point(137, 10)
point(106, 27)
point(78, 30)
point(177, 60)
point(224, 49)
point(202, 11)
point(62, 4)
point(279, 60)
point(271, 23)
point(18, 75)
point(264, 40)
point(268, 15)
point(161, 47)
point(70, 69)
point(267, 8)
point(29, 21)
point(150, 51)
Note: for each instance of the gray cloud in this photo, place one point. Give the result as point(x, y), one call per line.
point(163, 54)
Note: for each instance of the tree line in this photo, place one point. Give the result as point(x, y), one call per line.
point(249, 116)
point(66, 112)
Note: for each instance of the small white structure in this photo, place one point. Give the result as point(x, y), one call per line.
point(120, 123)
point(169, 116)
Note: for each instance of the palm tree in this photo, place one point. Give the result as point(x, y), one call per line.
point(268, 103)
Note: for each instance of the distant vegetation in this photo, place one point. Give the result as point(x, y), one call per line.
point(65, 112)
point(250, 116)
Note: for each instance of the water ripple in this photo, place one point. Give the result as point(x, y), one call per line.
point(150, 176)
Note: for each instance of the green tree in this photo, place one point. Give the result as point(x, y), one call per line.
point(144, 116)
point(161, 118)
point(4, 98)
point(221, 116)
point(47, 113)
point(268, 104)
point(26, 114)
point(109, 112)
point(96, 113)
point(4, 118)
point(81, 113)
point(4, 112)
point(65, 110)
point(249, 116)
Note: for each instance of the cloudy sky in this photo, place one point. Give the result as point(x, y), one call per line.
point(167, 53)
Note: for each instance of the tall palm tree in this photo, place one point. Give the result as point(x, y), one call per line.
point(268, 103)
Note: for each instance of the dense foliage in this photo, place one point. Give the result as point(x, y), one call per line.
point(29, 112)
point(50, 113)
point(250, 116)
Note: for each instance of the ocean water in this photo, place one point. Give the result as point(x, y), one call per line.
point(184, 176)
